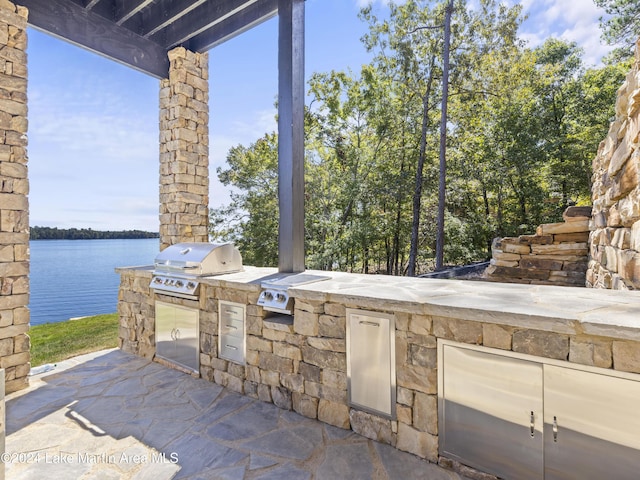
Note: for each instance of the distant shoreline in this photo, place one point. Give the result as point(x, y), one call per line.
point(54, 233)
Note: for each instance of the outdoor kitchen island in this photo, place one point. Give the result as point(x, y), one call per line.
point(300, 361)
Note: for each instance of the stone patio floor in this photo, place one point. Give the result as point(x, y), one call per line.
point(111, 415)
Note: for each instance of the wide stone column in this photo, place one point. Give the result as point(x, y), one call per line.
point(14, 206)
point(184, 149)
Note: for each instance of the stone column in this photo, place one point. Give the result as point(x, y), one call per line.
point(184, 149)
point(14, 206)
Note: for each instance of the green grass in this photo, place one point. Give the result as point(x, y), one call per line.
point(54, 342)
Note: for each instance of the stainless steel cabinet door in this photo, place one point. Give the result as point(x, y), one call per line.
point(591, 425)
point(491, 412)
point(165, 345)
point(371, 376)
point(177, 336)
point(187, 351)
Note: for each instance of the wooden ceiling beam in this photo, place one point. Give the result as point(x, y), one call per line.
point(125, 9)
point(215, 33)
point(71, 22)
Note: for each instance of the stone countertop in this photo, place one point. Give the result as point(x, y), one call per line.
point(570, 310)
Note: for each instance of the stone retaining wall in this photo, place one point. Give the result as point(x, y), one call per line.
point(615, 237)
point(14, 206)
point(555, 255)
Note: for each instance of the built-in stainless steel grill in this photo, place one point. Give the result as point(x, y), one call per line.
point(178, 268)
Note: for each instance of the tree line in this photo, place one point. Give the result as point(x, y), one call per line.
point(523, 127)
point(54, 233)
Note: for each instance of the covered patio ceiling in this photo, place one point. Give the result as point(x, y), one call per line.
point(139, 33)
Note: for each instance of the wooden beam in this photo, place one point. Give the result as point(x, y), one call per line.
point(73, 23)
point(221, 31)
point(180, 29)
point(163, 13)
point(125, 9)
point(291, 135)
point(103, 8)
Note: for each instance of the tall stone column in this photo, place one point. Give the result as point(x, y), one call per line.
point(14, 206)
point(184, 149)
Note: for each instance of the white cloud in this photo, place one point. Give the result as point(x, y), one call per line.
point(572, 20)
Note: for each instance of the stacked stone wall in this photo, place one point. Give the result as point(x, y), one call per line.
point(14, 206)
point(136, 332)
point(615, 238)
point(555, 255)
point(184, 149)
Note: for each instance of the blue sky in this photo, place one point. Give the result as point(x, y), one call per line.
point(93, 123)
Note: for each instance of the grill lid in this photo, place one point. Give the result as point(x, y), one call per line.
point(199, 259)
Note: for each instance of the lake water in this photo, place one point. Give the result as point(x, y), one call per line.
point(76, 278)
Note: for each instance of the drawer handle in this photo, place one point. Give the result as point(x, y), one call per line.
point(231, 347)
point(232, 312)
point(231, 326)
point(555, 429)
point(372, 324)
point(532, 424)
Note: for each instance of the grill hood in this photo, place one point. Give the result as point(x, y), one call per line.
point(199, 259)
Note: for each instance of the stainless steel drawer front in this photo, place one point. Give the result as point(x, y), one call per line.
point(371, 375)
point(231, 331)
point(231, 312)
point(232, 348)
point(231, 327)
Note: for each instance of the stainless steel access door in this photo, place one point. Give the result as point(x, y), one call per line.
point(177, 335)
point(491, 412)
point(371, 373)
point(591, 425)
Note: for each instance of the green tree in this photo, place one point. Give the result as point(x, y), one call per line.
point(251, 220)
point(523, 127)
point(622, 26)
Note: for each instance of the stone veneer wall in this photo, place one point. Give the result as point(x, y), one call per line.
point(302, 367)
point(184, 149)
point(615, 237)
point(555, 255)
point(14, 206)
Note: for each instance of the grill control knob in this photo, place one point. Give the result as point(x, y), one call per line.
point(281, 298)
point(191, 285)
point(179, 284)
point(158, 280)
point(268, 296)
point(167, 281)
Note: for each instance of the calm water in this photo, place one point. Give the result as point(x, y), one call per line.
point(76, 278)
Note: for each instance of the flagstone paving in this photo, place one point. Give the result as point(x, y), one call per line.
point(111, 415)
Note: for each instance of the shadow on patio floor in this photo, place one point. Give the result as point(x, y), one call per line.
point(111, 415)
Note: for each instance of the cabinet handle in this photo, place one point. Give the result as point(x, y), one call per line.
point(231, 347)
point(177, 334)
point(532, 427)
point(372, 324)
point(555, 429)
point(231, 326)
point(232, 312)
point(173, 334)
